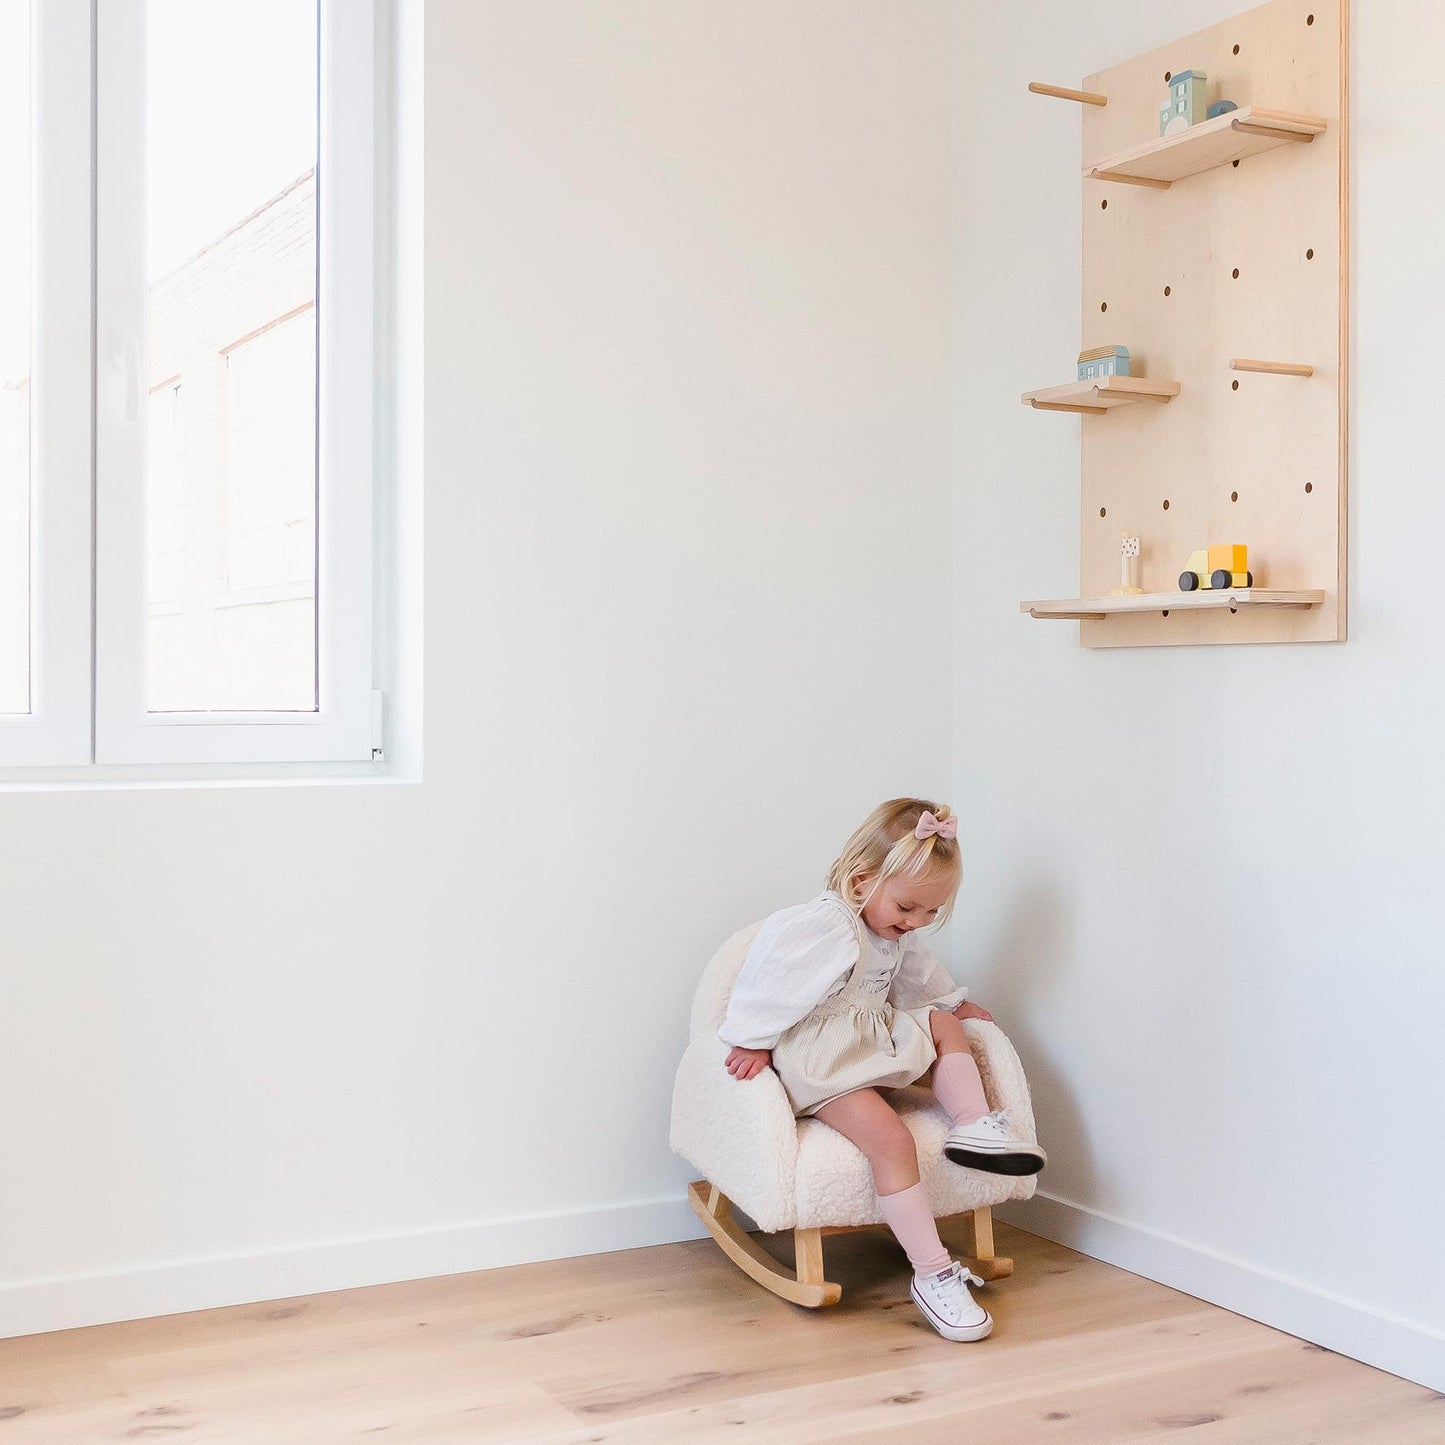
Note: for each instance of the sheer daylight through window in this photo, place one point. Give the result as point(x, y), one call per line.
point(190, 392)
point(15, 279)
point(231, 451)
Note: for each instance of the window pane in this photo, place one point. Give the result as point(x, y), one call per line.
point(231, 500)
point(15, 278)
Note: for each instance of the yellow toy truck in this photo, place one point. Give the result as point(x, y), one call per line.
point(1217, 569)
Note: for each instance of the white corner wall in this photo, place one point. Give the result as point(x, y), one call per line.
point(688, 596)
point(1205, 893)
point(688, 617)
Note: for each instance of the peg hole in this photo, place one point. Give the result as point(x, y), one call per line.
point(1234, 386)
point(1103, 205)
point(1103, 511)
point(1167, 290)
point(1235, 164)
point(1165, 613)
point(1236, 50)
point(1309, 486)
point(1103, 306)
point(1234, 609)
point(1234, 496)
point(1309, 19)
point(1166, 504)
point(1310, 254)
point(1169, 74)
point(1235, 273)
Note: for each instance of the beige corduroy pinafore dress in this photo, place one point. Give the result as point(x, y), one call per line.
point(854, 1040)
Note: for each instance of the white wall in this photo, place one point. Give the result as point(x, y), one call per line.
point(1234, 1041)
point(688, 616)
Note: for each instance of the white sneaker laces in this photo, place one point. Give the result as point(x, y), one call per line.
point(959, 1273)
point(996, 1123)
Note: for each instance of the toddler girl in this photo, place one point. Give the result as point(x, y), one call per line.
point(843, 1000)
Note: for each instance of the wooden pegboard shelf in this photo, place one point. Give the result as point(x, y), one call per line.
point(1095, 609)
point(1241, 133)
point(1094, 398)
point(1236, 288)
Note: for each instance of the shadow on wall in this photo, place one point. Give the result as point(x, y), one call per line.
point(1030, 950)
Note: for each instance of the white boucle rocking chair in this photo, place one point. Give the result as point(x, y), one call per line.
point(798, 1174)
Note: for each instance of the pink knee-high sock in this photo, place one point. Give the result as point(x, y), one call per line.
point(959, 1087)
point(911, 1220)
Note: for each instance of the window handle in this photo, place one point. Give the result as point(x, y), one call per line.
point(125, 357)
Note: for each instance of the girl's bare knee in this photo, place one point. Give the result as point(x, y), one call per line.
point(895, 1144)
point(884, 1139)
point(948, 1033)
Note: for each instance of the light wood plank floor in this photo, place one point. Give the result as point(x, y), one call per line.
point(674, 1344)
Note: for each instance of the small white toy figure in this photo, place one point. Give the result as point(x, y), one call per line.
point(1128, 570)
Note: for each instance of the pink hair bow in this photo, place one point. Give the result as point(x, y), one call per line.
point(929, 826)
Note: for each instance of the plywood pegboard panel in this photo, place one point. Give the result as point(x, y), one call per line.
point(1239, 456)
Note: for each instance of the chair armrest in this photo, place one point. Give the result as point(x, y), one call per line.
point(1003, 1075)
point(741, 1137)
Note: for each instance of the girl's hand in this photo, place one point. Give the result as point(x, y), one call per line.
point(967, 1010)
point(745, 1063)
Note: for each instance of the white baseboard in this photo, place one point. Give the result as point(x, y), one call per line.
point(35, 1306)
point(1403, 1347)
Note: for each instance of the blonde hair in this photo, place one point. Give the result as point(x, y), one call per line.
point(886, 844)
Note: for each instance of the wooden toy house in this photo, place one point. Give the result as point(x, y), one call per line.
point(1186, 104)
point(1103, 361)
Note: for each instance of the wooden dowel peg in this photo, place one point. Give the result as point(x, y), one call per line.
point(1063, 406)
point(1277, 131)
point(1271, 368)
point(1097, 175)
point(1084, 97)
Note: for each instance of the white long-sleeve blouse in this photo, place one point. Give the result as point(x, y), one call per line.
point(805, 954)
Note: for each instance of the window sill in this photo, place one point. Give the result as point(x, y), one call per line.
point(119, 778)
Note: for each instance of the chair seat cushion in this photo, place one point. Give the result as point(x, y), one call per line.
point(835, 1184)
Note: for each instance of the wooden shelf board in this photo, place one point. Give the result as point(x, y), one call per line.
point(1101, 394)
point(1096, 608)
point(1241, 133)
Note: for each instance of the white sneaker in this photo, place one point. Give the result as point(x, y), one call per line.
point(990, 1144)
point(948, 1306)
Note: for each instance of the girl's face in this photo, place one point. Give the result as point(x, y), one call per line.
point(906, 902)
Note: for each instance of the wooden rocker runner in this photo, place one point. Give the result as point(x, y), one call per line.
point(798, 1174)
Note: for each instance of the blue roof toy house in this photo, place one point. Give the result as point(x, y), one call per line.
point(1103, 361)
point(1186, 104)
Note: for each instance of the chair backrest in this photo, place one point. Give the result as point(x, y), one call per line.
point(715, 987)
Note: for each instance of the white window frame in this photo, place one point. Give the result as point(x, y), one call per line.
point(341, 729)
point(56, 731)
